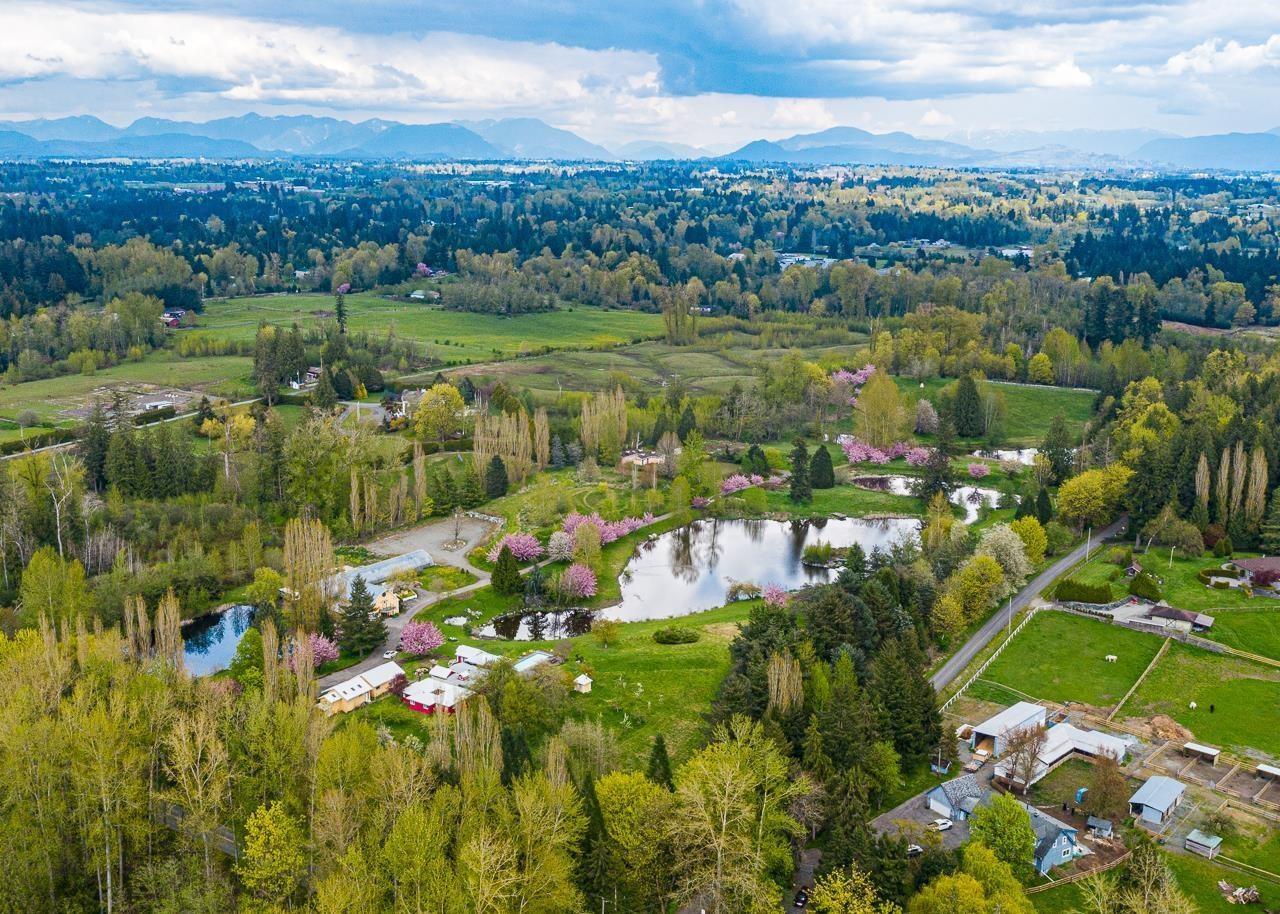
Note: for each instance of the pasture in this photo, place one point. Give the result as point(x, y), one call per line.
point(1245, 698)
point(451, 336)
point(1060, 657)
point(1030, 408)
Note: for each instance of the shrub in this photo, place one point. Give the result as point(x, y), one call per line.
point(978, 470)
point(1223, 547)
point(818, 553)
point(1120, 555)
point(1073, 591)
point(577, 582)
point(1058, 537)
point(676, 634)
point(1144, 585)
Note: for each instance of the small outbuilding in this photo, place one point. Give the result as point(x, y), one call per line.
point(957, 798)
point(1100, 828)
point(1204, 753)
point(582, 683)
point(1205, 845)
point(1156, 799)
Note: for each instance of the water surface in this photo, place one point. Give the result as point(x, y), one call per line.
point(209, 642)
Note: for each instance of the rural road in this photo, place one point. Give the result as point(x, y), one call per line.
point(432, 537)
point(983, 636)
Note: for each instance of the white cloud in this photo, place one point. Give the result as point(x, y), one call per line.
point(935, 118)
point(1214, 57)
point(801, 114)
point(258, 62)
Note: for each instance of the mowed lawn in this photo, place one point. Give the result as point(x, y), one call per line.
point(224, 375)
point(1245, 697)
point(1029, 408)
point(452, 336)
point(1255, 631)
point(1059, 657)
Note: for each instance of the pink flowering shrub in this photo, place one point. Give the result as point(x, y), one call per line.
point(610, 530)
point(560, 547)
point(735, 483)
point(775, 595)
point(524, 546)
point(918, 456)
point(774, 482)
point(423, 270)
point(978, 470)
point(419, 638)
point(860, 452)
point(344, 288)
point(700, 501)
point(322, 649)
point(577, 582)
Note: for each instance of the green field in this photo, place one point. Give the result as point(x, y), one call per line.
point(1059, 657)
point(1029, 408)
point(452, 336)
point(1245, 696)
point(225, 375)
point(1179, 584)
point(1255, 631)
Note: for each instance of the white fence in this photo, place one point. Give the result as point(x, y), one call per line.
point(986, 663)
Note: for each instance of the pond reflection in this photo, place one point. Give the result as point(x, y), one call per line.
point(209, 642)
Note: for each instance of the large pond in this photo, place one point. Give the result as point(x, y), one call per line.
point(1023, 455)
point(209, 642)
point(971, 498)
point(691, 569)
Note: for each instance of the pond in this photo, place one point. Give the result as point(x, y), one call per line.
point(691, 568)
point(1023, 455)
point(970, 498)
point(209, 642)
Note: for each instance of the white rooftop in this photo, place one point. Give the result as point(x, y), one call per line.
point(1159, 792)
point(474, 655)
point(347, 689)
point(1023, 714)
point(382, 674)
point(435, 692)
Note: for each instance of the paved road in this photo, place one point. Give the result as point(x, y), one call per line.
point(983, 636)
point(432, 537)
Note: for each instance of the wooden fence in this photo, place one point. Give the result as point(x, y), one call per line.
point(1077, 877)
point(996, 653)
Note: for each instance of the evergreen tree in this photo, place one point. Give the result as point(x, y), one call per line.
point(470, 491)
point(938, 475)
point(557, 452)
point(361, 633)
point(340, 310)
point(506, 573)
point(1044, 507)
point(95, 440)
point(801, 490)
point(847, 815)
point(754, 461)
point(661, 426)
point(324, 397)
point(688, 422)
point(495, 478)
point(1270, 539)
point(967, 409)
point(444, 496)
point(660, 764)
point(854, 573)
point(822, 474)
point(1057, 449)
point(204, 412)
point(517, 758)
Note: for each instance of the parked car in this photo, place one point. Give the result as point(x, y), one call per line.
point(802, 897)
point(940, 824)
point(388, 655)
point(914, 850)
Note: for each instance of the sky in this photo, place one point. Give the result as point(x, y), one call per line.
point(711, 74)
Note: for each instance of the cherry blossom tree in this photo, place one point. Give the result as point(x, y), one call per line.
point(419, 638)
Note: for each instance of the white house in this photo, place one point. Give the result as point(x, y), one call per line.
point(997, 729)
point(1063, 741)
point(431, 695)
point(466, 654)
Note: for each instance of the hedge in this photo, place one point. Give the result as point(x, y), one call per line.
point(676, 634)
point(39, 440)
point(1146, 586)
point(1073, 591)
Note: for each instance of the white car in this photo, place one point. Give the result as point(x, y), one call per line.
point(940, 824)
point(388, 655)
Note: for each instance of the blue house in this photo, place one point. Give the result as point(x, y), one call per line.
point(1055, 841)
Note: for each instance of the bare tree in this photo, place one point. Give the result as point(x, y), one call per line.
point(1022, 754)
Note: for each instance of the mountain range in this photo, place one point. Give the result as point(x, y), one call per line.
point(256, 136)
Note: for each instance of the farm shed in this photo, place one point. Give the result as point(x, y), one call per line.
point(958, 798)
point(1061, 742)
point(996, 729)
point(1270, 772)
point(1205, 845)
point(1156, 799)
point(466, 654)
point(1099, 828)
point(1204, 753)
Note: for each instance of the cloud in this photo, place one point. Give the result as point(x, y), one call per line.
point(1215, 57)
point(254, 61)
point(935, 118)
point(801, 114)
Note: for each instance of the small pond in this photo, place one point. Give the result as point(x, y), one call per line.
point(209, 642)
point(970, 498)
point(1023, 455)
